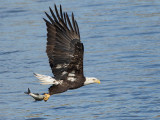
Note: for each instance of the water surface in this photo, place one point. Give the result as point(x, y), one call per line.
point(122, 49)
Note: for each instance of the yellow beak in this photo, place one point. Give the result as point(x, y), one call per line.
point(98, 81)
point(46, 97)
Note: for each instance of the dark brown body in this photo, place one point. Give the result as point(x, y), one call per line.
point(66, 85)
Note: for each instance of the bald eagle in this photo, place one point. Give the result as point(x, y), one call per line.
point(65, 52)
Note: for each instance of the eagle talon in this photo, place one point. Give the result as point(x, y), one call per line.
point(46, 97)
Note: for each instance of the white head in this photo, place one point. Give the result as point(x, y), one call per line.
point(90, 80)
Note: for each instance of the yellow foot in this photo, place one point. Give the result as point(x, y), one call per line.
point(46, 97)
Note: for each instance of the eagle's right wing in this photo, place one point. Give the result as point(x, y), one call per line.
point(64, 48)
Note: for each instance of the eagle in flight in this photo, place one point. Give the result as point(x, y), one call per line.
point(65, 52)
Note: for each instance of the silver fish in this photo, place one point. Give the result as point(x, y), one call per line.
point(36, 96)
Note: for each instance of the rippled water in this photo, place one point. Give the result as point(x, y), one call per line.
point(122, 49)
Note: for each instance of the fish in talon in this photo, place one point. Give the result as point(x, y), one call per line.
point(37, 96)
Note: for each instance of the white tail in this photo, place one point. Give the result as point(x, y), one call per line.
point(46, 80)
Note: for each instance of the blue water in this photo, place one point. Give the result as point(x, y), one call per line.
point(122, 49)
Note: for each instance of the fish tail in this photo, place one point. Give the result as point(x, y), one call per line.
point(28, 91)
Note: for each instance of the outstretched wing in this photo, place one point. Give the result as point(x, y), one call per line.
point(64, 48)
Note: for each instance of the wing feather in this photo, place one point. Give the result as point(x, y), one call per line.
point(64, 48)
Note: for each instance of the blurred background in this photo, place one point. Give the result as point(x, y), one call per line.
point(122, 49)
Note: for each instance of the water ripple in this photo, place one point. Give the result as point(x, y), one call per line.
point(121, 40)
